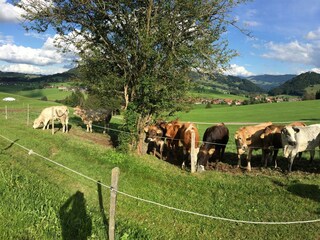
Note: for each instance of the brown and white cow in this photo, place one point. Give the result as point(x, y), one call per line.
point(155, 136)
point(60, 113)
point(272, 141)
point(248, 139)
point(215, 140)
point(88, 116)
point(181, 133)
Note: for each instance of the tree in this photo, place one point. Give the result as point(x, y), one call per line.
point(142, 50)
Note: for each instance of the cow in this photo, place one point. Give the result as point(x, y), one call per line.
point(300, 139)
point(88, 116)
point(60, 113)
point(214, 143)
point(248, 139)
point(155, 136)
point(180, 133)
point(272, 142)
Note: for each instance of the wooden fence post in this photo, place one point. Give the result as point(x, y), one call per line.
point(52, 122)
point(113, 200)
point(193, 155)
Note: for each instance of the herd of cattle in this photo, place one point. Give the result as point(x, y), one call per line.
point(293, 138)
point(173, 136)
point(61, 113)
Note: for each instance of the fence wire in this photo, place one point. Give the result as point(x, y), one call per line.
point(31, 152)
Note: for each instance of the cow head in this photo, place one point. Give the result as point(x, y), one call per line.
point(172, 128)
point(37, 123)
point(152, 133)
point(288, 135)
point(242, 140)
point(205, 154)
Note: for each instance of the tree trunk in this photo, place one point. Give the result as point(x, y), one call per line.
point(142, 146)
point(126, 97)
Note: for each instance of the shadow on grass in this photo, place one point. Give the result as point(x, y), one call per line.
point(103, 215)
point(75, 222)
point(11, 144)
point(310, 191)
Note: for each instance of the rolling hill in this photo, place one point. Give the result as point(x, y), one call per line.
point(298, 85)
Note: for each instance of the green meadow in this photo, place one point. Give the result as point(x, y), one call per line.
point(49, 183)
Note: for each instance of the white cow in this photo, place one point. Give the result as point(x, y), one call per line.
point(60, 113)
point(300, 139)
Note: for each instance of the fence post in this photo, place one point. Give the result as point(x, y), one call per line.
point(113, 200)
point(6, 112)
point(193, 152)
point(52, 121)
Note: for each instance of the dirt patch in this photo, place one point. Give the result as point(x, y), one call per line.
point(98, 138)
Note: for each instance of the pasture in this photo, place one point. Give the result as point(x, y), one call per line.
point(42, 200)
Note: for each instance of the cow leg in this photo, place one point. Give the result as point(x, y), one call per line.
point(249, 159)
point(239, 161)
point(274, 157)
point(90, 127)
point(265, 156)
point(291, 162)
point(45, 125)
point(312, 153)
point(67, 125)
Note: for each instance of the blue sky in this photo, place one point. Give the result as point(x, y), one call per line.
point(285, 40)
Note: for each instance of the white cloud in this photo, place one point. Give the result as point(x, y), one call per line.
point(317, 70)
point(304, 53)
point(251, 23)
point(9, 13)
point(47, 55)
point(236, 70)
point(313, 35)
point(27, 68)
point(26, 55)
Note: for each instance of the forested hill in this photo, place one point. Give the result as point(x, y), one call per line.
point(224, 84)
point(12, 77)
point(297, 85)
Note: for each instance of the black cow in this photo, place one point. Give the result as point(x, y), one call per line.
point(214, 140)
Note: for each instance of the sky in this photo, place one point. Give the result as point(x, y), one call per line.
point(285, 39)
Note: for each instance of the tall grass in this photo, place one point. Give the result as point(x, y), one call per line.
point(41, 200)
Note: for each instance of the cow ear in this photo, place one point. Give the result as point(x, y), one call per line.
point(296, 129)
point(146, 129)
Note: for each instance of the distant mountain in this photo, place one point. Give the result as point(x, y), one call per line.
point(11, 77)
point(297, 85)
point(267, 82)
point(224, 84)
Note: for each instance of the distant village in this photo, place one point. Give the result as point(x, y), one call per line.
point(250, 100)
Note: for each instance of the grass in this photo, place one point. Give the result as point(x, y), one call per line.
point(40, 200)
point(52, 94)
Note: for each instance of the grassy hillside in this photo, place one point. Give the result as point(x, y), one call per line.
point(41, 200)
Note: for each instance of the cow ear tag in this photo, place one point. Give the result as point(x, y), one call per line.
point(211, 151)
